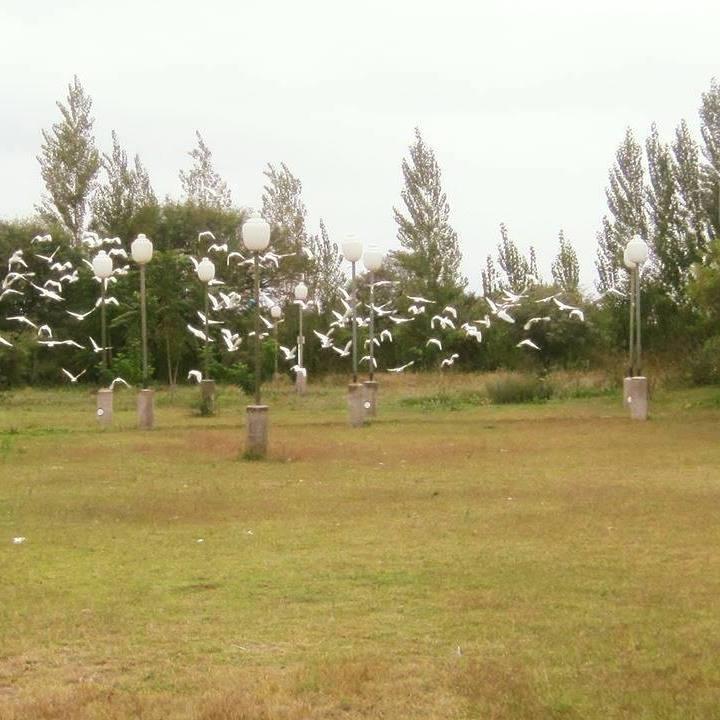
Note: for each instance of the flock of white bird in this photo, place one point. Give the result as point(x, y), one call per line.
point(19, 280)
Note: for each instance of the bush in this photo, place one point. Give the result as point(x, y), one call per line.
point(518, 389)
point(705, 364)
point(444, 401)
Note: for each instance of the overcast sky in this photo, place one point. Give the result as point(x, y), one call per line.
point(524, 103)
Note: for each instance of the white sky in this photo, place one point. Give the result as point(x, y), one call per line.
point(524, 103)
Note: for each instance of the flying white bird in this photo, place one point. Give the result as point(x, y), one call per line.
point(562, 305)
point(613, 291)
point(420, 300)
point(527, 343)
point(196, 375)
point(45, 331)
point(325, 340)
point(5, 342)
point(416, 309)
point(199, 334)
point(450, 310)
point(576, 312)
point(445, 322)
point(61, 267)
point(109, 300)
point(232, 340)
point(16, 259)
point(73, 378)
point(53, 343)
point(504, 315)
point(55, 283)
point(41, 239)
point(44, 292)
point(234, 254)
point(9, 291)
point(48, 258)
point(203, 319)
point(118, 252)
point(547, 299)
point(369, 360)
point(402, 368)
point(533, 320)
point(118, 381)
point(447, 362)
point(96, 348)
point(434, 341)
point(216, 247)
point(80, 316)
point(205, 234)
point(400, 320)
point(22, 319)
point(288, 354)
point(386, 335)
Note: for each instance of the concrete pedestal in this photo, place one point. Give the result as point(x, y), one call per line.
point(104, 407)
point(638, 398)
point(301, 382)
point(626, 391)
point(257, 432)
point(146, 409)
point(356, 404)
point(207, 397)
point(371, 395)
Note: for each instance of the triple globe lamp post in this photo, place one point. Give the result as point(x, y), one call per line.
point(362, 398)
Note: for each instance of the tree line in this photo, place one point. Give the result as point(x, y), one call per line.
point(667, 192)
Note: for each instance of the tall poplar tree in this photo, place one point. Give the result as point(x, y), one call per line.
point(69, 163)
point(430, 257)
point(326, 275)
point(201, 184)
point(512, 262)
point(626, 198)
point(565, 266)
point(710, 131)
point(689, 180)
point(125, 192)
point(670, 257)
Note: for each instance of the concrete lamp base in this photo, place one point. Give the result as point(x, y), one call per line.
point(146, 409)
point(301, 383)
point(207, 397)
point(257, 432)
point(356, 404)
point(104, 411)
point(371, 397)
point(637, 398)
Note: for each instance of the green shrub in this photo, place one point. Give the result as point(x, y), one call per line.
point(518, 389)
point(705, 364)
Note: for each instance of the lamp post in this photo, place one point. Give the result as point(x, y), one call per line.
point(141, 250)
point(636, 253)
point(631, 327)
point(372, 260)
point(102, 266)
point(256, 237)
point(276, 315)
point(205, 273)
point(352, 251)
point(301, 293)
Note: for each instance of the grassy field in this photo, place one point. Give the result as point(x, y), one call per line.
point(454, 560)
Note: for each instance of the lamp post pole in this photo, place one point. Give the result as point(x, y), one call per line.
point(372, 325)
point(205, 273)
point(256, 237)
point(141, 250)
point(103, 325)
point(354, 326)
point(631, 344)
point(206, 353)
point(257, 327)
point(352, 249)
point(143, 327)
point(638, 342)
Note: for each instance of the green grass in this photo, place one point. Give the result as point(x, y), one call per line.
point(466, 561)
